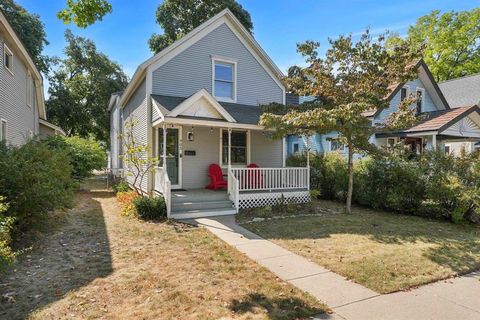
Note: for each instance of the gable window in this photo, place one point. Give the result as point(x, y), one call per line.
point(336, 145)
point(7, 58)
point(420, 98)
point(238, 148)
point(296, 147)
point(29, 90)
point(224, 78)
point(403, 93)
point(3, 130)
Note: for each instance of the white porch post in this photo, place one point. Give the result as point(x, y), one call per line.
point(308, 151)
point(434, 142)
point(229, 149)
point(164, 151)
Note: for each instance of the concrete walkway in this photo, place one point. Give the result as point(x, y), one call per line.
point(457, 298)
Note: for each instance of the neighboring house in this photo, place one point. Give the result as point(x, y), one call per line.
point(196, 103)
point(22, 106)
point(439, 126)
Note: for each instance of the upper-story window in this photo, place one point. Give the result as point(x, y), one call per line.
point(29, 90)
point(7, 58)
point(224, 79)
point(3, 130)
point(403, 93)
point(336, 145)
point(420, 98)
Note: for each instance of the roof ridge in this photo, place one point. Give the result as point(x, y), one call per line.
point(459, 78)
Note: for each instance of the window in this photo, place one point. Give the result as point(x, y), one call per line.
point(420, 96)
point(7, 58)
point(3, 130)
point(238, 147)
point(224, 75)
point(391, 142)
point(447, 149)
point(403, 93)
point(29, 90)
point(296, 147)
point(336, 145)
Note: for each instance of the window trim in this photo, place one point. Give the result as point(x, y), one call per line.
point(3, 121)
point(7, 51)
point(29, 89)
point(249, 145)
point(407, 92)
point(225, 60)
point(423, 99)
point(339, 150)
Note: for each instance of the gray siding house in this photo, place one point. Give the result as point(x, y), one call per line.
point(441, 125)
point(22, 107)
point(196, 103)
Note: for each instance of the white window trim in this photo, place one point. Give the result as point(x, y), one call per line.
point(2, 138)
point(29, 89)
point(339, 150)
point(248, 149)
point(293, 147)
point(233, 62)
point(6, 50)
point(423, 98)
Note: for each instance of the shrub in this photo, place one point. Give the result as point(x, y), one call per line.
point(6, 226)
point(150, 208)
point(34, 180)
point(86, 155)
point(121, 186)
point(126, 199)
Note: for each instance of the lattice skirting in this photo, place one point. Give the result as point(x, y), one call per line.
point(252, 200)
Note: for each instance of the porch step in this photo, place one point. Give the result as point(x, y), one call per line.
point(200, 205)
point(190, 214)
point(198, 196)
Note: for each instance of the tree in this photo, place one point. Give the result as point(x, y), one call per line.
point(30, 29)
point(80, 88)
point(352, 78)
point(178, 17)
point(84, 12)
point(136, 157)
point(452, 42)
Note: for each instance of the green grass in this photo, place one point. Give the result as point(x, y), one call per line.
point(383, 251)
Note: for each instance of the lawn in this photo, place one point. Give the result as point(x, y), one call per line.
point(385, 252)
point(92, 263)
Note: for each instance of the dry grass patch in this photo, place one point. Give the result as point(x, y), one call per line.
point(98, 264)
point(383, 251)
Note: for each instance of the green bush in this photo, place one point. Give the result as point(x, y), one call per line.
point(34, 180)
point(121, 186)
point(150, 208)
point(86, 155)
point(6, 225)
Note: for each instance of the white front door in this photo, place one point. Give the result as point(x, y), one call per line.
point(173, 154)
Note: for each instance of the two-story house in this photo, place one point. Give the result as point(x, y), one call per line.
point(440, 125)
point(22, 106)
point(196, 104)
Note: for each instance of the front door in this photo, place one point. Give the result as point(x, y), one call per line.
point(173, 155)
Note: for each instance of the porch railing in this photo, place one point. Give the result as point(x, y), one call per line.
point(233, 190)
point(270, 179)
point(163, 185)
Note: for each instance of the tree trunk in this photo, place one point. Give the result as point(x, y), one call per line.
point(350, 179)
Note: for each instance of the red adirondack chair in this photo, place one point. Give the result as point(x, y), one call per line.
point(216, 177)
point(254, 176)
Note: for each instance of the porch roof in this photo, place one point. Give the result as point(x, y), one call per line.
point(242, 113)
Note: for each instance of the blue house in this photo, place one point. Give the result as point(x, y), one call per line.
point(440, 125)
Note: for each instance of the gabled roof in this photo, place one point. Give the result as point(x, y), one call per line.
point(26, 59)
point(462, 91)
point(244, 114)
point(225, 16)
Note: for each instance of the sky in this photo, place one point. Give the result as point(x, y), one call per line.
point(278, 24)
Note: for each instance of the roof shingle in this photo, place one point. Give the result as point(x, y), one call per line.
point(462, 91)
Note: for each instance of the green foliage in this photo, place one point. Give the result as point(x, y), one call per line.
point(30, 29)
point(352, 78)
point(150, 208)
point(178, 17)
point(121, 186)
point(451, 40)
point(6, 226)
point(86, 155)
point(84, 12)
point(34, 180)
point(80, 89)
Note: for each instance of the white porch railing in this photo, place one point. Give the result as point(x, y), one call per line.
point(163, 185)
point(269, 179)
point(233, 190)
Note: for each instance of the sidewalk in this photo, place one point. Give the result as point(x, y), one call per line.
point(458, 298)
